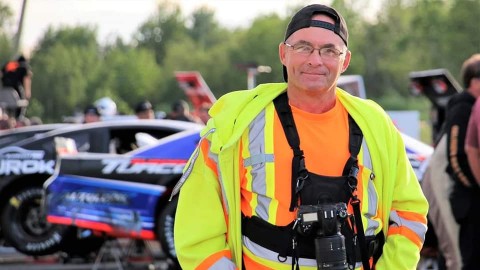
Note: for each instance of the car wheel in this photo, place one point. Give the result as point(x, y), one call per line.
point(165, 223)
point(25, 227)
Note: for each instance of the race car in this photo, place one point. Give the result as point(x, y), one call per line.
point(11, 136)
point(121, 195)
point(26, 165)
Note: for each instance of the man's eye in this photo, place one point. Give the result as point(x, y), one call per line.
point(303, 48)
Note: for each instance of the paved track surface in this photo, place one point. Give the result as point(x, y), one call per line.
point(113, 255)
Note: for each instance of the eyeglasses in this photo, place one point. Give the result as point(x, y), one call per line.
point(326, 53)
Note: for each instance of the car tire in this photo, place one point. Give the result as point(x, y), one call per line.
point(25, 228)
point(166, 221)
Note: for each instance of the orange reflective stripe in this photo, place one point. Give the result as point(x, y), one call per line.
point(205, 148)
point(246, 194)
point(212, 259)
point(411, 235)
point(251, 264)
point(412, 216)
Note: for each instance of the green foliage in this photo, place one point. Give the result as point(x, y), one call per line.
point(165, 27)
point(63, 65)
point(132, 75)
point(35, 108)
point(6, 33)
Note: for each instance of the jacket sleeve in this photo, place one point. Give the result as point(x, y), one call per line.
point(407, 218)
point(200, 230)
point(456, 129)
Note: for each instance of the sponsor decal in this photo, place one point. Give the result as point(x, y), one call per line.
point(17, 161)
point(15, 152)
point(96, 198)
point(139, 165)
point(50, 242)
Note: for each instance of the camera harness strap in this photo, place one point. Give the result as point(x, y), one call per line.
point(300, 173)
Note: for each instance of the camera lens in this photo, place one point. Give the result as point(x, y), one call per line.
point(330, 252)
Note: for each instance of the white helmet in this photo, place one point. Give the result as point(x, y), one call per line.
point(106, 106)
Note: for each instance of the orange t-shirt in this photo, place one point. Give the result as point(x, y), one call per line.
point(324, 141)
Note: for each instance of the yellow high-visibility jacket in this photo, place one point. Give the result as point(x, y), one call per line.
point(207, 230)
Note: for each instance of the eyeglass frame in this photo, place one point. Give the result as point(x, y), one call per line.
point(323, 56)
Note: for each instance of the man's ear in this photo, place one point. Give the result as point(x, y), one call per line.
point(281, 52)
point(346, 61)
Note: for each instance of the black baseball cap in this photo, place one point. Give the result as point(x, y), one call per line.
point(143, 106)
point(303, 19)
point(91, 109)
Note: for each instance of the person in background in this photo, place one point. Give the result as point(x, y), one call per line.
point(144, 110)
point(18, 75)
point(281, 158)
point(5, 122)
point(203, 113)
point(181, 111)
point(91, 114)
point(35, 120)
point(22, 122)
point(472, 140)
point(464, 160)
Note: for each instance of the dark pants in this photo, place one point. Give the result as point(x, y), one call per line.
point(470, 240)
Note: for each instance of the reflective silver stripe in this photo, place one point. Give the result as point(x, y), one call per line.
point(223, 264)
point(372, 224)
point(189, 169)
point(367, 160)
point(257, 159)
point(267, 254)
point(419, 228)
point(264, 253)
point(220, 180)
point(256, 148)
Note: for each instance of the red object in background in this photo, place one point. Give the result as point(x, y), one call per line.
point(195, 89)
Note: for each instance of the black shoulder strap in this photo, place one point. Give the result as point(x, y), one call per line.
point(354, 144)
point(351, 169)
point(298, 163)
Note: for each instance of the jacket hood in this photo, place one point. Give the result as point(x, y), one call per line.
point(232, 113)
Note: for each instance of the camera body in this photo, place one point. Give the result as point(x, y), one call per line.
point(323, 223)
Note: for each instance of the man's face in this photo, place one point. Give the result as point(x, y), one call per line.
point(148, 114)
point(311, 72)
point(91, 117)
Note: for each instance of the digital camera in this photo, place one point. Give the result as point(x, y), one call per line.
point(323, 222)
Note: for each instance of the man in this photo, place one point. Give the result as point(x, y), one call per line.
point(91, 114)
point(275, 155)
point(466, 189)
point(472, 141)
point(18, 75)
point(144, 110)
point(181, 111)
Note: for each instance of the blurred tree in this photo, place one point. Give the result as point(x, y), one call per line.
point(7, 33)
point(164, 27)
point(258, 45)
point(131, 75)
point(204, 29)
point(63, 64)
point(461, 35)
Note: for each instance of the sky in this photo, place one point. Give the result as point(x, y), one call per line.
point(122, 17)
